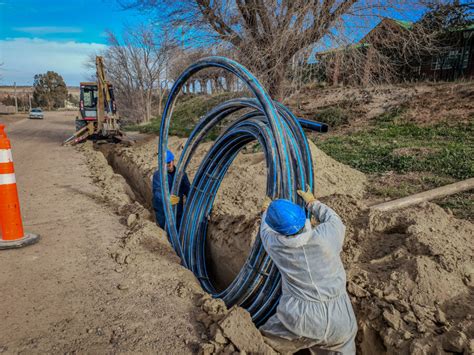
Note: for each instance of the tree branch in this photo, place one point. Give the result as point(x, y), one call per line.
point(218, 24)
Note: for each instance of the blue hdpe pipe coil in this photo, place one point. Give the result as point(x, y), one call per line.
point(289, 167)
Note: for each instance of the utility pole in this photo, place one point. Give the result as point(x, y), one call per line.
point(29, 100)
point(16, 101)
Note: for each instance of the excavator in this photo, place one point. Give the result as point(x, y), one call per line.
point(98, 118)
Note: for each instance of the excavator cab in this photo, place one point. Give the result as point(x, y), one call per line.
point(88, 101)
point(88, 98)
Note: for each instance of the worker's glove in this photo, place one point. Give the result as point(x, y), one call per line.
point(307, 195)
point(266, 203)
point(174, 200)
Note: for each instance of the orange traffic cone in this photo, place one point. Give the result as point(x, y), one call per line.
point(11, 227)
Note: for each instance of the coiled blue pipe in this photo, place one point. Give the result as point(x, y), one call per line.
point(289, 167)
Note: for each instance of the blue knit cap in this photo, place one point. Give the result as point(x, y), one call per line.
point(285, 217)
point(169, 157)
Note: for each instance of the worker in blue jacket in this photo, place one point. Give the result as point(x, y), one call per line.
point(314, 311)
point(175, 200)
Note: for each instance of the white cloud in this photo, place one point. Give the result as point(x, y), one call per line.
point(45, 30)
point(22, 58)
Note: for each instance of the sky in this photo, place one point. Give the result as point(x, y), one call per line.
point(59, 35)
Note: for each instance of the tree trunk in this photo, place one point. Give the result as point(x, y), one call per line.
point(335, 77)
point(148, 103)
point(229, 83)
point(275, 81)
point(213, 86)
point(161, 95)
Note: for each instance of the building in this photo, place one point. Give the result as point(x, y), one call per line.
point(384, 56)
point(456, 61)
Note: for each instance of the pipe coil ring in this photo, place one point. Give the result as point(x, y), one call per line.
point(289, 167)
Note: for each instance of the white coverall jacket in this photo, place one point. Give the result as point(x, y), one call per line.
point(314, 305)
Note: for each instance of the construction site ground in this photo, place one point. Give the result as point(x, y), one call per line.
point(72, 292)
point(103, 278)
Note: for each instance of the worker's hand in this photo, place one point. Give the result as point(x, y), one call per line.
point(266, 203)
point(307, 195)
point(174, 200)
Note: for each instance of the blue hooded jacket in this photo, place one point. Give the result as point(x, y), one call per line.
point(158, 203)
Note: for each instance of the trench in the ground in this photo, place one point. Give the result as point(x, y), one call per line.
point(229, 236)
point(140, 184)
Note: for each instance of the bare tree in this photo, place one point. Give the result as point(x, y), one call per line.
point(138, 68)
point(266, 34)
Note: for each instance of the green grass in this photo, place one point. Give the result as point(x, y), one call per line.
point(462, 205)
point(187, 112)
point(404, 147)
point(391, 116)
point(402, 189)
point(333, 116)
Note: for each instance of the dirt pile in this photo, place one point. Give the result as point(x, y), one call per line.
point(410, 278)
point(230, 330)
point(114, 188)
point(161, 294)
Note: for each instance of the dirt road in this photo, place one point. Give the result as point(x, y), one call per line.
point(67, 293)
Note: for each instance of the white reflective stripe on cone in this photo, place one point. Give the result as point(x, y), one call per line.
point(5, 156)
point(7, 179)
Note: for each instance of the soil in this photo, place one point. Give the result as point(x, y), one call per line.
point(409, 277)
point(104, 278)
point(13, 118)
point(92, 283)
point(409, 272)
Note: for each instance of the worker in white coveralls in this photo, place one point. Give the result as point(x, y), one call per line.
point(315, 311)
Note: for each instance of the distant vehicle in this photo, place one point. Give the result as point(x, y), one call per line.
point(36, 113)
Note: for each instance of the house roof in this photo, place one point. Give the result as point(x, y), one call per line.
point(362, 44)
point(349, 46)
point(466, 28)
point(408, 25)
